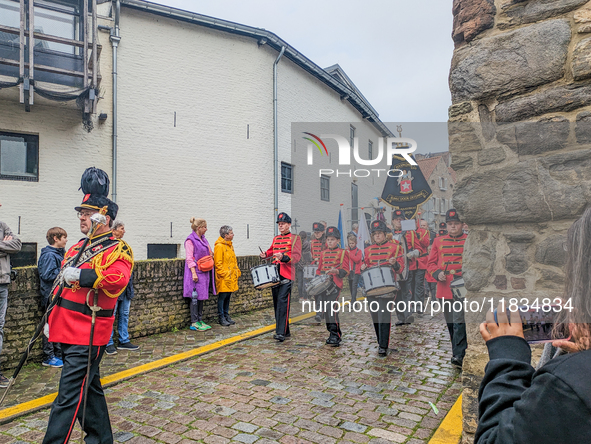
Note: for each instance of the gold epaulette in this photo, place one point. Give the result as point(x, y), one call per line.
point(122, 251)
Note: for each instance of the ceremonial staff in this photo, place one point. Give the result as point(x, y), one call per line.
point(97, 219)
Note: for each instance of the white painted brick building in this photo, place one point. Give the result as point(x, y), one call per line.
point(195, 134)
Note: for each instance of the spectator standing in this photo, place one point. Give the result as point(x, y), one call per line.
point(122, 307)
point(355, 258)
point(199, 274)
point(10, 244)
point(226, 273)
point(49, 266)
point(518, 404)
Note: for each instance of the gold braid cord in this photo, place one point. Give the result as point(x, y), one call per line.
point(122, 251)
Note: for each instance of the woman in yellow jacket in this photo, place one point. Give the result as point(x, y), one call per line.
point(226, 273)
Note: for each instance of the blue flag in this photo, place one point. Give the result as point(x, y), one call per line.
point(340, 227)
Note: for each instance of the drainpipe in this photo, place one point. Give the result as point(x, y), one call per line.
point(276, 142)
point(115, 39)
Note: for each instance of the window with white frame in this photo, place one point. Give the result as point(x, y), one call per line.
point(370, 150)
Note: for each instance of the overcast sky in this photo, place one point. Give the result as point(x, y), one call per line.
point(397, 52)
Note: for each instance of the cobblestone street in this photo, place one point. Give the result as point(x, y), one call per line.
point(261, 391)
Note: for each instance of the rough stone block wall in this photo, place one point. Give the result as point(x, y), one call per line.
point(158, 305)
point(519, 132)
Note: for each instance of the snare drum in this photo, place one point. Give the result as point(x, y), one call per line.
point(457, 288)
point(320, 284)
point(379, 281)
point(310, 271)
point(265, 276)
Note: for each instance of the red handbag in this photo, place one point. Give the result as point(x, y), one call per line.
point(205, 263)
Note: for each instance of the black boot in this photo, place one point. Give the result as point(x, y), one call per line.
point(229, 320)
point(223, 321)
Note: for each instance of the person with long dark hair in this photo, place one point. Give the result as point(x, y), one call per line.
point(518, 404)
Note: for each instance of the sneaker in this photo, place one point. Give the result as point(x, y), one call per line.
point(205, 326)
point(3, 381)
point(53, 362)
point(201, 326)
point(111, 349)
point(128, 346)
point(194, 326)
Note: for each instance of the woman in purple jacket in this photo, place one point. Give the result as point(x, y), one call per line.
point(196, 282)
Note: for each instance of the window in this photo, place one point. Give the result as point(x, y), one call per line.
point(435, 205)
point(286, 178)
point(442, 183)
point(370, 150)
point(19, 157)
point(352, 136)
point(325, 188)
point(442, 210)
point(26, 257)
point(162, 251)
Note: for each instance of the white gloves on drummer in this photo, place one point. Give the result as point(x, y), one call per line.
point(71, 275)
point(414, 254)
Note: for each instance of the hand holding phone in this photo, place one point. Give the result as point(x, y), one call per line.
point(498, 324)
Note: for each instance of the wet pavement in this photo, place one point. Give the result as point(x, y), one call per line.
point(261, 391)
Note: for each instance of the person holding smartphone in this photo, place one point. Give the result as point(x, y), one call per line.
point(552, 405)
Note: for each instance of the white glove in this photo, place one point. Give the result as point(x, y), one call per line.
point(71, 275)
point(413, 254)
point(46, 330)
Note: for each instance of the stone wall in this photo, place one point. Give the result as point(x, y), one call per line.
point(520, 140)
point(158, 305)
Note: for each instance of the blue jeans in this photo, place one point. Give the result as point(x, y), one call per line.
point(122, 313)
point(3, 306)
point(224, 303)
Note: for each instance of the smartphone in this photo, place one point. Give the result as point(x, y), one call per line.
point(538, 325)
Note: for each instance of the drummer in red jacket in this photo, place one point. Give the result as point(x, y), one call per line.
point(286, 251)
point(382, 252)
point(445, 263)
point(333, 261)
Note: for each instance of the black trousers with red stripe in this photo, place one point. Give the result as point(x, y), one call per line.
point(382, 318)
point(281, 302)
point(67, 407)
point(331, 318)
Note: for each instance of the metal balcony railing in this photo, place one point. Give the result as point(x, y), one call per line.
point(53, 43)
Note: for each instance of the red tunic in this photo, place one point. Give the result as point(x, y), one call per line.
point(379, 254)
point(355, 258)
point(337, 258)
point(416, 240)
point(291, 246)
point(446, 255)
point(317, 246)
point(113, 268)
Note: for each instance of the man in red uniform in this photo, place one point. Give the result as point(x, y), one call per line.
point(286, 251)
point(415, 243)
point(104, 270)
point(335, 262)
point(383, 252)
point(445, 263)
point(317, 245)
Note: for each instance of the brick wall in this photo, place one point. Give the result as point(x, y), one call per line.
point(158, 305)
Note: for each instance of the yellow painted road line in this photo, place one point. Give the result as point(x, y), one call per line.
point(8, 414)
point(450, 429)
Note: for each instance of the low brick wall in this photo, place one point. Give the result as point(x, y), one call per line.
point(158, 305)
